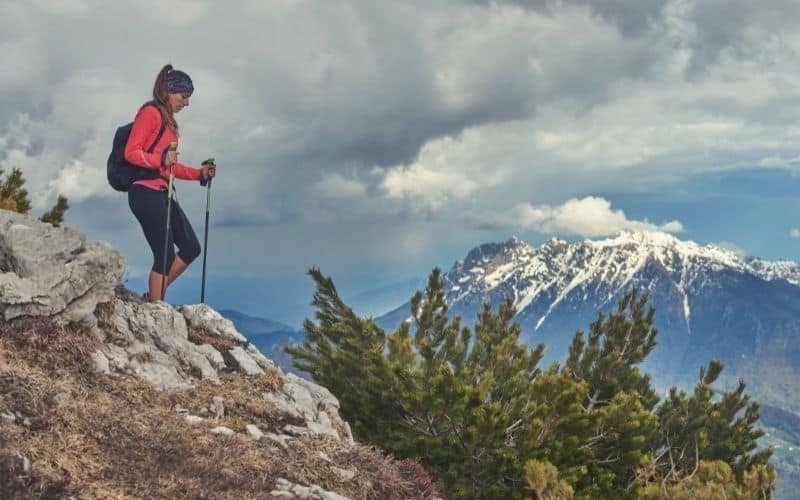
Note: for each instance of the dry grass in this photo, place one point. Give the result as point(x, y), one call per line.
point(94, 436)
point(143, 357)
point(104, 312)
point(269, 381)
point(242, 400)
point(200, 337)
point(377, 476)
point(123, 293)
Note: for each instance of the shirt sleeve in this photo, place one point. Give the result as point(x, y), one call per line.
point(145, 127)
point(186, 172)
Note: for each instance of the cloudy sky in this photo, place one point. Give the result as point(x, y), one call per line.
point(377, 140)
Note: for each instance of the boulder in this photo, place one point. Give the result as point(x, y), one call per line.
point(222, 431)
point(286, 489)
point(254, 432)
point(203, 317)
point(49, 271)
point(158, 330)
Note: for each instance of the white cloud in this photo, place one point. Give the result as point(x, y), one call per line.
point(587, 217)
point(78, 181)
point(421, 184)
point(450, 170)
point(794, 233)
point(778, 161)
point(733, 247)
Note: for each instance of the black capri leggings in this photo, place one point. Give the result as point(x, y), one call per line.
point(150, 208)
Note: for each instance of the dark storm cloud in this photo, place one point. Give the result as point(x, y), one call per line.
point(287, 93)
point(353, 84)
point(365, 91)
point(737, 27)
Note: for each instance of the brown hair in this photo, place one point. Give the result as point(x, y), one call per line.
point(161, 98)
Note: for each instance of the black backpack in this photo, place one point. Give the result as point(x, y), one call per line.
point(121, 173)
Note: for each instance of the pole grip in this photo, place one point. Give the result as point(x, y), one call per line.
point(209, 161)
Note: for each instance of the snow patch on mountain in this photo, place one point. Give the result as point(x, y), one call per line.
point(557, 269)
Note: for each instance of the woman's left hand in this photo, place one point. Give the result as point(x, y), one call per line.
point(209, 171)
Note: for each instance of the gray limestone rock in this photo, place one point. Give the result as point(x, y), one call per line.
point(222, 431)
point(283, 404)
point(193, 419)
point(49, 271)
point(246, 363)
point(300, 396)
point(286, 489)
point(254, 432)
point(281, 440)
point(296, 430)
point(344, 475)
point(322, 430)
point(313, 403)
point(160, 330)
point(261, 360)
point(217, 408)
point(203, 317)
point(100, 362)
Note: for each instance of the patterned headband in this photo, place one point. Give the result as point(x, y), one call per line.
point(179, 82)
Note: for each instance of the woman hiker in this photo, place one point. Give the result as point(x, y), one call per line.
point(148, 198)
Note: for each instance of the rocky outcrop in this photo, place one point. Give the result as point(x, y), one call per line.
point(48, 271)
point(174, 349)
point(151, 340)
point(313, 404)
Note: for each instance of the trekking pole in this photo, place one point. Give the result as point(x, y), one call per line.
point(210, 161)
point(172, 147)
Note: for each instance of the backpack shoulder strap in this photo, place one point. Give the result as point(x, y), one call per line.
point(160, 131)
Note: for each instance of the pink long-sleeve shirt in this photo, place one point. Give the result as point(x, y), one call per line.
point(144, 132)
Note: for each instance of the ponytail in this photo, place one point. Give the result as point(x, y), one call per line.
point(161, 98)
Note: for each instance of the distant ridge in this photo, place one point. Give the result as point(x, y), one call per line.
point(710, 302)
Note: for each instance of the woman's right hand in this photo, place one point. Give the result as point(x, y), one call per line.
point(208, 171)
point(171, 158)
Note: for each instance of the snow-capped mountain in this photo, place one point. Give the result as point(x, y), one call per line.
point(710, 301)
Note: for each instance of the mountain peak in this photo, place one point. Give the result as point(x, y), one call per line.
point(652, 238)
point(557, 267)
point(555, 241)
point(514, 242)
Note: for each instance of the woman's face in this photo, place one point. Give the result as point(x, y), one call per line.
point(178, 101)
